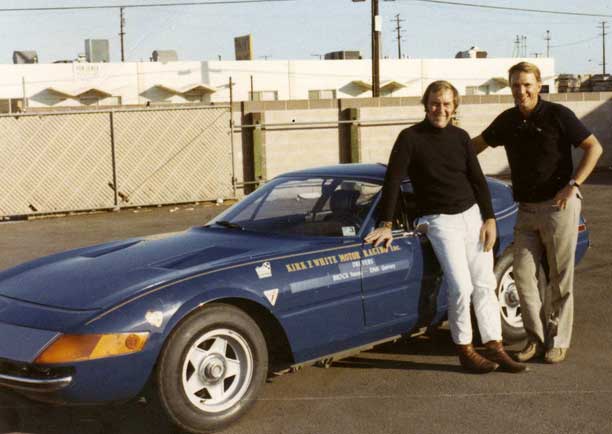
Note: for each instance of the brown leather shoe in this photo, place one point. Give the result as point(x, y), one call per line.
point(494, 351)
point(474, 362)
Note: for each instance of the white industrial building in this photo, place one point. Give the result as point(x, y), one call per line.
point(29, 86)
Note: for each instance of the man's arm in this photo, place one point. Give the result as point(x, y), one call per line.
point(479, 144)
point(592, 151)
point(398, 162)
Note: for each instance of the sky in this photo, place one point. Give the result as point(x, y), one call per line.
point(305, 29)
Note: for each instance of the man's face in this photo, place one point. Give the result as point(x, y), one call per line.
point(440, 108)
point(525, 89)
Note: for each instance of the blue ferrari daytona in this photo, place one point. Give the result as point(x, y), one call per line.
point(201, 317)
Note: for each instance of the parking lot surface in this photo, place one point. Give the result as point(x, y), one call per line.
point(413, 386)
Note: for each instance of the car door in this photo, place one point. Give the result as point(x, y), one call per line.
point(317, 288)
point(400, 284)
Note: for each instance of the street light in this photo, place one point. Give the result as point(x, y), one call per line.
point(376, 30)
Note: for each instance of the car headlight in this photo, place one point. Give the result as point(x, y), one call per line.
point(77, 348)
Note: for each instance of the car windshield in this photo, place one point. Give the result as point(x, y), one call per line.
point(313, 206)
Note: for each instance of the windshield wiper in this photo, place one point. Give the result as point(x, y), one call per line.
point(229, 224)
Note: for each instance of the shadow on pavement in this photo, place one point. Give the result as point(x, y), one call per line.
point(369, 363)
point(600, 177)
point(436, 343)
point(18, 415)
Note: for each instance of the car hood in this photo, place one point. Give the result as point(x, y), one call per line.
point(103, 275)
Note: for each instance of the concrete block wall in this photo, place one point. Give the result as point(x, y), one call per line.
point(290, 136)
point(377, 140)
point(281, 148)
point(290, 148)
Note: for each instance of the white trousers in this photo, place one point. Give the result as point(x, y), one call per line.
point(468, 271)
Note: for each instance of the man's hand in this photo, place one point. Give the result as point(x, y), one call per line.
point(380, 236)
point(488, 234)
point(564, 195)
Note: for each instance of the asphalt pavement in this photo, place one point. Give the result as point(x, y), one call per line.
point(408, 387)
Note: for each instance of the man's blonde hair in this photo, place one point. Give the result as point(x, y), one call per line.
point(526, 67)
point(439, 86)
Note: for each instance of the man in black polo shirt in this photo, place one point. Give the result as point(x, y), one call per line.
point(538, 137)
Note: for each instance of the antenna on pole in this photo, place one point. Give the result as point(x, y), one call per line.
point(398, 28)
point(516, 51)
point(122, 32)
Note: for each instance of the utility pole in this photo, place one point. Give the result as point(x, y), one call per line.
point(524, 39)
point(376, 31)
point(547, 43)
point(399, 35)
point(122, 33)
point(603, 45)
point(376, 28)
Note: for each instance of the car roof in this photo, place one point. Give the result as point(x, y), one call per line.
point(349, 170)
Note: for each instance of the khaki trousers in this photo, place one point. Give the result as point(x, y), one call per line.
point(544, 229)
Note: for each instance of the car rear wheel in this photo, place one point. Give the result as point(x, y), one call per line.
point(513, 328)
point(212, 368)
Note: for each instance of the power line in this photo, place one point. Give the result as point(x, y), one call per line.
point(144, 5)
point(582, 41)
point(505, 8)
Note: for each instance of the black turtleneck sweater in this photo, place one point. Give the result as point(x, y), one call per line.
point(443, 169)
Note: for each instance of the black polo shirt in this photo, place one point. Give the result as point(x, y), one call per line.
point(539, 148)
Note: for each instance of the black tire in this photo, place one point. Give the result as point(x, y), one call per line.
point(507, 295)
point(231, 354)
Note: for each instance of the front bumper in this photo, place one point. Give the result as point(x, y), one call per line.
point(31, 378)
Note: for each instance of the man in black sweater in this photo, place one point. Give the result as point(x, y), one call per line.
point(453, 198)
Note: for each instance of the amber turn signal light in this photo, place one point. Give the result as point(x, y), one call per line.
point(78, 348)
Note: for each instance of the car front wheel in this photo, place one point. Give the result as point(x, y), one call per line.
point(212, 368)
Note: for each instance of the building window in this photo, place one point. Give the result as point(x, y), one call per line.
point(322, 94)
point(97, 101)
point(5, 106)
point(264, 95)
point(194, 97)
point(478, 90)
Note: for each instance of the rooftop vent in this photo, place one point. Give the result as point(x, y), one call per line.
point(164, 56)
point(97, 50)
point(25, 57)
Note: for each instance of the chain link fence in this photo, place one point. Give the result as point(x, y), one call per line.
point(60, 162)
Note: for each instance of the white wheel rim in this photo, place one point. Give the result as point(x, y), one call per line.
point(217, 370)
point(509, 304)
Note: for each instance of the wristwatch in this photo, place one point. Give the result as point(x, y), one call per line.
point(572, 182)
point(384, 224)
